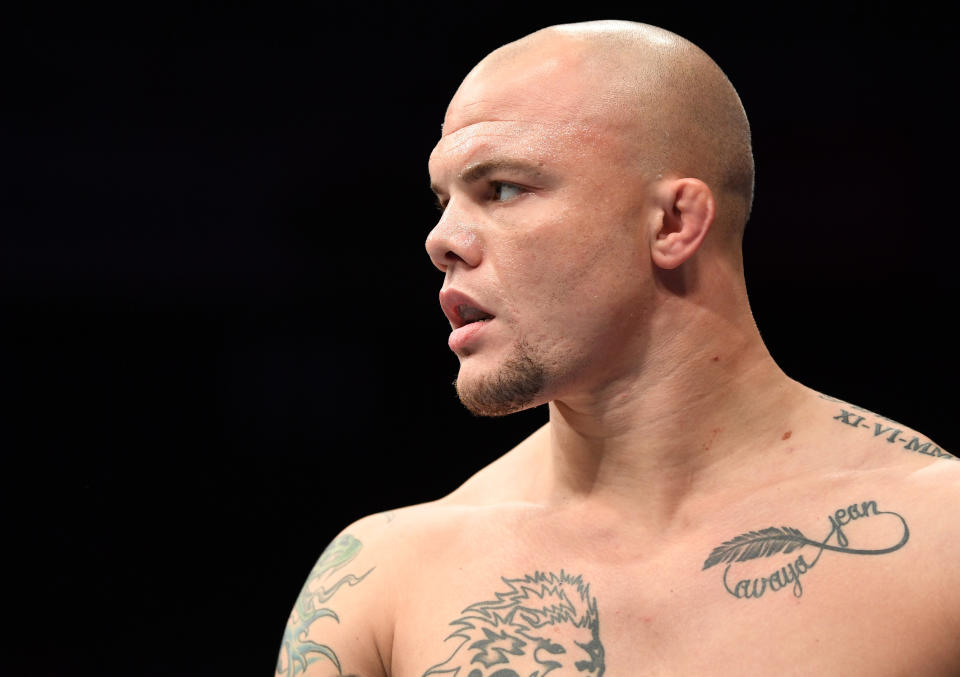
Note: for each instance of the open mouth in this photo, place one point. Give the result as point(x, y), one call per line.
point(469, 314)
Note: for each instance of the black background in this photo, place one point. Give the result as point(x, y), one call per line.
point(220, 336)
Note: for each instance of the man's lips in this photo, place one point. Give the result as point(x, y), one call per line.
point(462, 310)
point(461, 338)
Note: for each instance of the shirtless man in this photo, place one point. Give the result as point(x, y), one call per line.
point(688, 509)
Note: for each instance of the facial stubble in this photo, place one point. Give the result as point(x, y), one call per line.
point(510, 389)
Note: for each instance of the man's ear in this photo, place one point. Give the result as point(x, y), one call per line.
point(688, 211)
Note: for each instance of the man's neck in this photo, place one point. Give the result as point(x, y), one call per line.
point(653, 443)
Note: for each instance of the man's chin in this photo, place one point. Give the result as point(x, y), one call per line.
point(513, 386)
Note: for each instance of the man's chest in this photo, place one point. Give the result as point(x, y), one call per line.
point(773, 602)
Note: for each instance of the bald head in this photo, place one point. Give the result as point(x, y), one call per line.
point(673, 108)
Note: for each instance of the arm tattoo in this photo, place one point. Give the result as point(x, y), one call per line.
point(885, 429)
point(772, 541)
point(539, 623)
point(321, 585)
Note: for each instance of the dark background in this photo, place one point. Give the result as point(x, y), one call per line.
point(220, 335)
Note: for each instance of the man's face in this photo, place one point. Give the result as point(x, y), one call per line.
point(543, 229)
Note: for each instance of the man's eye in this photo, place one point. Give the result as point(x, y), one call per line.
point(502, 192)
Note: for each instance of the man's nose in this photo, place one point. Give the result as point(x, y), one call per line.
point(454, 241)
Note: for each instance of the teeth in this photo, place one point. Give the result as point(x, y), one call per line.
point(469, 314)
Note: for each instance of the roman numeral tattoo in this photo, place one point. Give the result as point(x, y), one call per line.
point(772, 541)
point(862, 419)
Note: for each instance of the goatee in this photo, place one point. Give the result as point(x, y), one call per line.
point(512, 388)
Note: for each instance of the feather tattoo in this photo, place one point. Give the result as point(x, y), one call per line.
point(763, 543)
point(755, 544)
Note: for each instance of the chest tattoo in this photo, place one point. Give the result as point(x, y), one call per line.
point(780, 541)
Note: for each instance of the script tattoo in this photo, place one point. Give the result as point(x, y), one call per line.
point(785, 540)
point(885, 429)
point(299, 650)
point(542, 624)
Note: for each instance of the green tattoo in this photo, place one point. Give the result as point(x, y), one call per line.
point(300, 650)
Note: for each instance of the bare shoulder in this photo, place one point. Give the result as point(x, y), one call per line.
point(343, 621)
point(873, 449)
point(907, 473)
point(333, 628)
point(886, 440)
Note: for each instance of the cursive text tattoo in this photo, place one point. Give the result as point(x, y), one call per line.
point(298, 650)
point(539, 623)
point(785, 540)
point(886, 430)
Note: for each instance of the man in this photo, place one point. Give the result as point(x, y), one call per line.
point(688, 509)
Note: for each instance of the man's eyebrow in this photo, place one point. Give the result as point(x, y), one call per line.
point(481, 170)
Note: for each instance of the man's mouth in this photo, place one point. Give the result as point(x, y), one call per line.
point(461, 309)
point(469, 314)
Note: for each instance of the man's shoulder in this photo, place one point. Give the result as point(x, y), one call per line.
point(402, 535)
point(875, 440)
point(343, 619)
point(493, 493)
point(880, 461)
point(393, 530)
point(869, 451)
